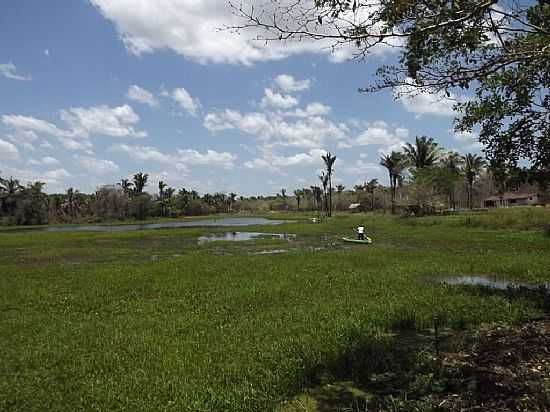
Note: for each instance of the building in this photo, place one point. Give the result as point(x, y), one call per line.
point(512, 199)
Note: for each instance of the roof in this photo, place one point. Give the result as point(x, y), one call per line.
point(354, 205)
point(510, 196)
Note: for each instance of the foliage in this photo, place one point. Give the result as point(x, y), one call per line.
point(500, 48)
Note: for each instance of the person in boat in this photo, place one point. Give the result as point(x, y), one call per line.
point(360, 232)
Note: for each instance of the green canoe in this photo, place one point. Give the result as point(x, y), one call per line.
point(367, 240)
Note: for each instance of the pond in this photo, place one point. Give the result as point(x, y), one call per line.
point(243, 236)
point(484, 281)
point(238, 221)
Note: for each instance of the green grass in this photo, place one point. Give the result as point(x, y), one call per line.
point(90, 321)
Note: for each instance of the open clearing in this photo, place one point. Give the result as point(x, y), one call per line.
point(153, 320)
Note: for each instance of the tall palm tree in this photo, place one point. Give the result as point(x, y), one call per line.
point(452, 163)
point(340, 189)
point(473, 164)
point(140, 181)
point(370, 187)
point(329, 160)
point(396, 164)
point(325, 180)
point(9, 188)
point(298, 193)
point(126, 185)
point(358, 189)
point(424, 153)
point(162, 195)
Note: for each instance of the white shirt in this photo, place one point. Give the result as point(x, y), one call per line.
point(361, 230)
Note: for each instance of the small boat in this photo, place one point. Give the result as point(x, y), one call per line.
point(366, 241)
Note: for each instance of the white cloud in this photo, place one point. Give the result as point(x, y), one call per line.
point(31, 124)
point(360, 167)
point(141, 95)
point(312, 109)
point(180, 159)
point(278, 100)
point(191, 29)
point(275, 163)
point(273, 129)
point(421, 103)
point(10, 71)
point(469, 140)
point(45, 161)
point(8, 151)
point(97, 166)
point(211, 157)
point(56, 174)
point(188, 103)
point(381, 134)
point(289, 84)
point(103, 120)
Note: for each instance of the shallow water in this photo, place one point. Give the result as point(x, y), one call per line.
point(239, 221)
point(243, 236)
point(493, 283)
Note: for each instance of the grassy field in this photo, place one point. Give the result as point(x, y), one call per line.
point(150, 320)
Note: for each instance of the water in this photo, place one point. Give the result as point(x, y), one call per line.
point(494, 283)
point(239, 221)
point(242, 236)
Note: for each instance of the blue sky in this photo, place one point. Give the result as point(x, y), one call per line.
point(94, 91)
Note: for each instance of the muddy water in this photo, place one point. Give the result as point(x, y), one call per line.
point(243, 236)
point(485, 281)
point(241, 221)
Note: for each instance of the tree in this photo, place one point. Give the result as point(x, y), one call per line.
point(340, 189)
point(162, 197)
point(329, 162)
point(473, 165)
point(298, 193)
point(370, 187)
point(424, 153)
point(140, 181)
point(451, 164)
point(324, 181)
point(318, 196)
point(500, 48)
point(126, 185)
point(396, 164)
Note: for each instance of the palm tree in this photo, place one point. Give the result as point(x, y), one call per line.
point(140, 181)
point(358, 189)
point(126, 185)
point(9, 189)
point(231, 199)
point(473, 164)
point(324, 180)
point(424, 153)
point(340, 189)
point(298, 193)
point(329, 162)
point(318, 196)
point(451, 163)
point(395, 163)
point(370, 187)
point(162, 194)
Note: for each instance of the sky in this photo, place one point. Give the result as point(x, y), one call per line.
point(93, 91)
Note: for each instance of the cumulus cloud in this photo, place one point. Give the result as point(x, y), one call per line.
point(181, 158)
point(44, 161)
point(278, 100)
point(8, 151)
point(363, 168)
point(275, 163)
point(469, 140)
point(438, 104)
point(274, 129)
point(187, 102)
point(191, 29)
point(103, 120)
point(10, 71)
point(381, 134)
point(141, 95)
point(96, 166)
point(288, 84)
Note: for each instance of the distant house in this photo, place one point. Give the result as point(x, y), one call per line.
point(355, 207)
point(512, 199)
